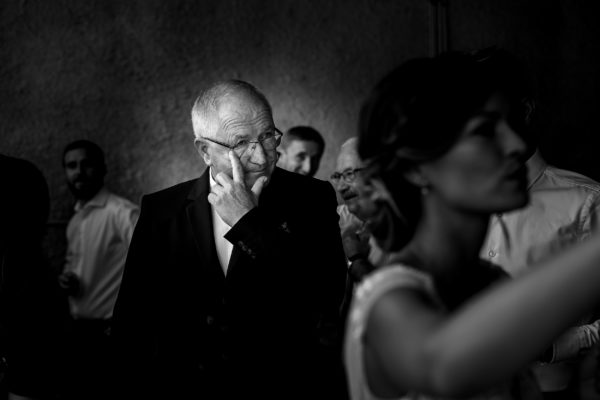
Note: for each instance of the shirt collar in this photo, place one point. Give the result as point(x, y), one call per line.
point(99, 200)
point(535, 168)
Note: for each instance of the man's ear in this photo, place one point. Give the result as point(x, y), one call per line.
point(280, 157)
point(202, 148)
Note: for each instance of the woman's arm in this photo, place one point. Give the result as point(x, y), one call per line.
point(488, 339)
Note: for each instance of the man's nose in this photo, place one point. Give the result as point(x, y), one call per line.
point(258, 154)
point(75, 171)
point(513, 142)
point(341, 186)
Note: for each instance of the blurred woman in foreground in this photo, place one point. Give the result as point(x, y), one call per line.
point(443, 152)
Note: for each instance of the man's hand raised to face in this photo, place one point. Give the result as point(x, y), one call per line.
point(231, 198)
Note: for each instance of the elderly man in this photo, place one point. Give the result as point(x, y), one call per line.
point(233, 280)
point(361, 251)
point(301, 150)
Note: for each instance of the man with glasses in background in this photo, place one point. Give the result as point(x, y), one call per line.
point(363, 254)
point(234, 280)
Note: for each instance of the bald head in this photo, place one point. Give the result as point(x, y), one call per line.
point(219, 99)
point(348, 156)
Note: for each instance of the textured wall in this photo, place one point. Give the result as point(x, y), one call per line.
point(125, 73)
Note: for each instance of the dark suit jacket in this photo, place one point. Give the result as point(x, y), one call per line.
point(182, 328)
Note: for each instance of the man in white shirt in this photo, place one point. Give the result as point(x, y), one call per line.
point(563, 210)
point(98, 237)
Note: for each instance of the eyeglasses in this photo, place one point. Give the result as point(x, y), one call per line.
point(348, 176)
point(269, 141)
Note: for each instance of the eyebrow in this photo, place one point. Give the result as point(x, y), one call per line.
point(244, 135)
point(239, 136)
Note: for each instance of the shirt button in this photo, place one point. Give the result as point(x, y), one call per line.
point(492, 253)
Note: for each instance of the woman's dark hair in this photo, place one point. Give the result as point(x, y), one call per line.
point(415, 114)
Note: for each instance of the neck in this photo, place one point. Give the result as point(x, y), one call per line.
point(446, 240)
point(83, 199)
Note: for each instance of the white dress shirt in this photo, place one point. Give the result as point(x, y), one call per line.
point(98, 237)
point(563, 210)
point(220, 228)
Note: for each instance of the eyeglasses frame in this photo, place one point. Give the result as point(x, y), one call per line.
point(277, 131)
point(341, 175)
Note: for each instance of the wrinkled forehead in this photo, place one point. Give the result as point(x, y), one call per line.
point(242, 111)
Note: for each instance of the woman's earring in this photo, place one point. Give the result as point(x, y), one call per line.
point(424, 190)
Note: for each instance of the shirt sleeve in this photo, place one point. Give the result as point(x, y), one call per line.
point(594, 212)
point(576, 339)
point(128, 219)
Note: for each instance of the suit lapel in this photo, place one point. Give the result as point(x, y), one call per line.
point(200, 219)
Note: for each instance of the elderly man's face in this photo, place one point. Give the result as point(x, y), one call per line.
point(242, 118)
point(348, 164)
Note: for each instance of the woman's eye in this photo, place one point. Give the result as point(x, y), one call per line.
point(486, 129)
point(241, 143)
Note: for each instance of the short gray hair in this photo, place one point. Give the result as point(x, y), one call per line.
point(208, 102)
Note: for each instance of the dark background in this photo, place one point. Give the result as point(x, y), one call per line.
point(125, 73)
